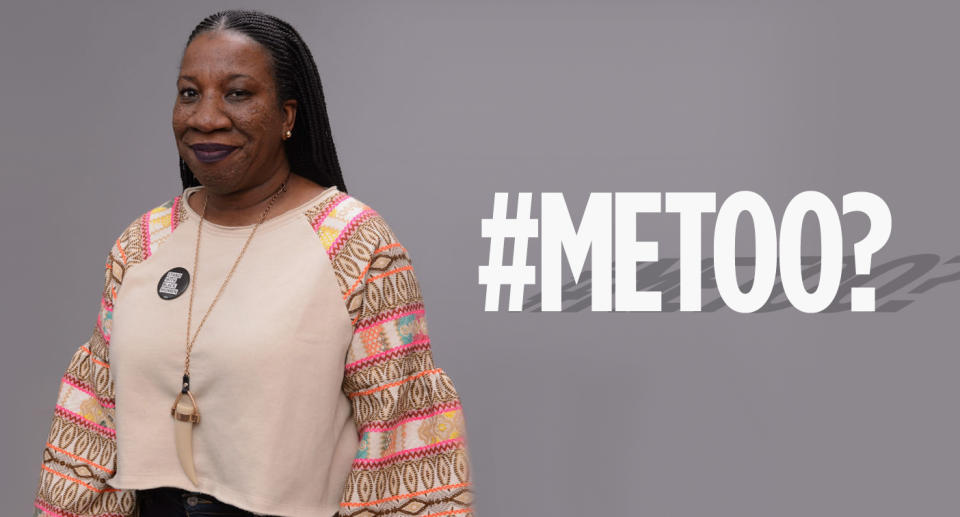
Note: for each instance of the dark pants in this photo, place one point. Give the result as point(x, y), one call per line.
point(174, 502)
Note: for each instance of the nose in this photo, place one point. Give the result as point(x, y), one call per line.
point(207, 115)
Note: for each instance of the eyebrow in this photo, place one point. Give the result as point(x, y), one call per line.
point(229, 77)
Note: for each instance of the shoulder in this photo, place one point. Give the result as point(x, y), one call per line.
point(367, 257)
point(349, 228)
point(143, 235)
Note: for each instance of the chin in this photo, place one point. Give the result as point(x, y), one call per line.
point(216, 179)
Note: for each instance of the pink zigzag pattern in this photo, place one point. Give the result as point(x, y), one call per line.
point(436, 410)
point(175, 215)
point(409, 454)
point(322, 216)
point(82, 386)
point(348, 230)
point(390, 315)
point(80, 420)
point(420, 344)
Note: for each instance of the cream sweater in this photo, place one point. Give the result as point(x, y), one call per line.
point(313, 374)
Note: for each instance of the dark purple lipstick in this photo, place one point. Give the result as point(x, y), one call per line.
point(209, 153)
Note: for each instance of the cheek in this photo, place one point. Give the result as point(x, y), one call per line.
point(179, 120)
point(261, 122)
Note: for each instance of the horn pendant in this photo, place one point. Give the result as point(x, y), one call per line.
point(185, 413)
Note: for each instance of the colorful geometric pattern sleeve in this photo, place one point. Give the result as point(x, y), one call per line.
point(412, 459)
point(80, 454)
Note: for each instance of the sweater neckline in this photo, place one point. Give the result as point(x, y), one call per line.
point(271, 222)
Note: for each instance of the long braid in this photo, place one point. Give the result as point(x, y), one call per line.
point(310, 150)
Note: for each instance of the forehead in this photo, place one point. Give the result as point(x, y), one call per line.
point(217, 54)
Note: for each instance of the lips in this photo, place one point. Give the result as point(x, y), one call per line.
point(211, 152)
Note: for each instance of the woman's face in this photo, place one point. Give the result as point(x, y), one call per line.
point(226, 120)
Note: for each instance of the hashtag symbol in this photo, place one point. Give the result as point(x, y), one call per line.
point(498, 229)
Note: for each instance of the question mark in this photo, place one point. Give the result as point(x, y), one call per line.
point(863, 299)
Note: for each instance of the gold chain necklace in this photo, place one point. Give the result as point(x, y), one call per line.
point(185, 411)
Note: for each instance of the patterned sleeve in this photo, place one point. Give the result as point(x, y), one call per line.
point(80, 454)
point(412, 459)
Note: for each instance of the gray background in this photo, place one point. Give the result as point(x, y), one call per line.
point(435, 105)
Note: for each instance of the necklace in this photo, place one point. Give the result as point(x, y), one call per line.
point(185, 411)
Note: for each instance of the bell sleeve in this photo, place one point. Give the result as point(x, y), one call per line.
point(80, 453)
point(412, 459)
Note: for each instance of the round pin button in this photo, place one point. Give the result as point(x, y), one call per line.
point(173, 283)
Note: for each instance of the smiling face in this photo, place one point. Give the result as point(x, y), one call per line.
point(227, 121)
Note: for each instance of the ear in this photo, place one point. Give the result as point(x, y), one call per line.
point(289, 108)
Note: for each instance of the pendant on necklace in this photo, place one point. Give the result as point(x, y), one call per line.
point(186, 414)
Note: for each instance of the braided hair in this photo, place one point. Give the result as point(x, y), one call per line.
point(310, 150)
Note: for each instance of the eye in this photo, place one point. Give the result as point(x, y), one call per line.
point(187, 93)
point(238, 94)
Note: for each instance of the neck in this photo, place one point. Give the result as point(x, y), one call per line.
point(243, 207)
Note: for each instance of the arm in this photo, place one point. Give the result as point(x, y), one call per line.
point(412, 459)
point(80, 453)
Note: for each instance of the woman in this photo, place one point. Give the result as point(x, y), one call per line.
point(261, 347)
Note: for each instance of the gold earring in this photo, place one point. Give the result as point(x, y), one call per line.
point(287, 135)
